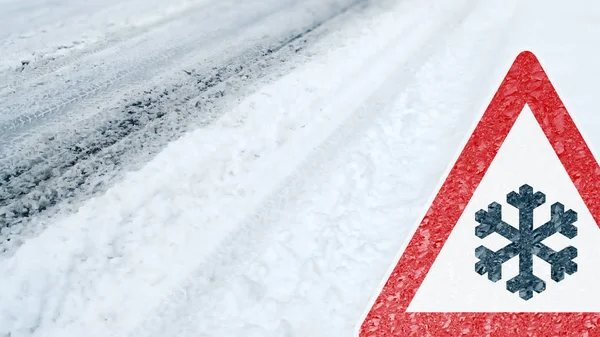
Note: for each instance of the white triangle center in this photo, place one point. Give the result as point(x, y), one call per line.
point(453, 285)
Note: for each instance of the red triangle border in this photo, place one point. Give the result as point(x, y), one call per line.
point(525, 83)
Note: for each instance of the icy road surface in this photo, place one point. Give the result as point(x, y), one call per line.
point(89, 91)
point(281, 217)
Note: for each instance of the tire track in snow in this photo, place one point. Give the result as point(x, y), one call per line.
point(214, 275)
point(27, 108)
point(80, 162)
point(28, 78)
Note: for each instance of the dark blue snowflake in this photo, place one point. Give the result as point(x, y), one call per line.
point(526, 242)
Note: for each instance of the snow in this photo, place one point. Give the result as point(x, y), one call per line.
point(282, 218)
point(42, 30)
point(70, 128)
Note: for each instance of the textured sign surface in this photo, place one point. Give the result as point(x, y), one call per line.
point(509, 245)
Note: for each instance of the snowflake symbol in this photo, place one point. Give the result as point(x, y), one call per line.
point(526, 242)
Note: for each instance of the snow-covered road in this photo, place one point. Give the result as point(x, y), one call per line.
point(73, 119)
point(282, 216)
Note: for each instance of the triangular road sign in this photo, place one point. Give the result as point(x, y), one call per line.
point(509, 245)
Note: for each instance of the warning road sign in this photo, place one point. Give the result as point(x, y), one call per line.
point(510, 245)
